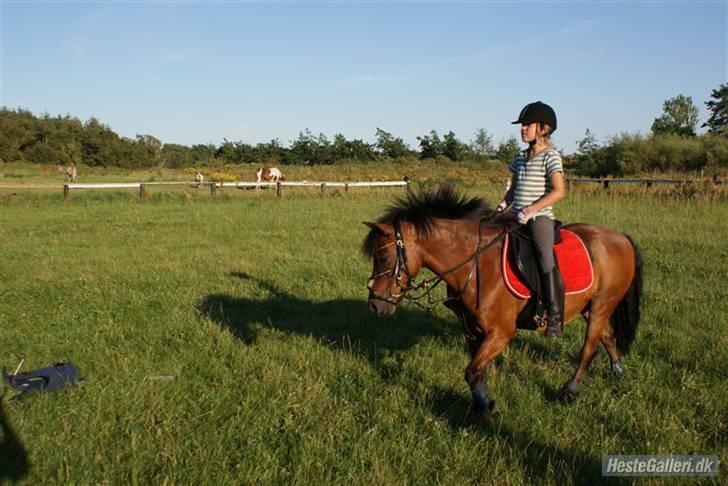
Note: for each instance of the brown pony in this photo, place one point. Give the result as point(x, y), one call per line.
point(459, 241)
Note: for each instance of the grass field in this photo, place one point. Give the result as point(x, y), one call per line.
point(256, 306)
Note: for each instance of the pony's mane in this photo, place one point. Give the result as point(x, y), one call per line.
point(422, 208)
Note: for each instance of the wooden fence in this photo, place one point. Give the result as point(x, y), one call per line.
point(644, 182)
point(214, 186)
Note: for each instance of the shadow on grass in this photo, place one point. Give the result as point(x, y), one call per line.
point(13, 458)
point(535, 457)
point(348, 324)
point(343, 323)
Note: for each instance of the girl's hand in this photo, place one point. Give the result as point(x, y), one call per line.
point(501, 206)
point(525, 215)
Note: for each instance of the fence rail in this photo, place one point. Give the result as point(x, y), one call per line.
point(214, 186)
point(645, 181)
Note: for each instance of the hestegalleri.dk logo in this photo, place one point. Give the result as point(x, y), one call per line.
point(660, 466)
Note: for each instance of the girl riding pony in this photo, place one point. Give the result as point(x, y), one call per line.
point(537, 184)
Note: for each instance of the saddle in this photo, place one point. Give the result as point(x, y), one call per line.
point(521, 275)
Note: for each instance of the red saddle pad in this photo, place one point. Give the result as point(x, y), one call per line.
point(574, 263)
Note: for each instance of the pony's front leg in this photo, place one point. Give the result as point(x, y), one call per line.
point(487, 351)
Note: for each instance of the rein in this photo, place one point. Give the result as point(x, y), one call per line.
point(429, 284)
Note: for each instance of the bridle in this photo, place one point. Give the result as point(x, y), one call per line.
point(401, 266)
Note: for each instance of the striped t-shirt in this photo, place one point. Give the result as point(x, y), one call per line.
point(533, 178)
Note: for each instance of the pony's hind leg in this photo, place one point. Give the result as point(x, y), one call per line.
point(598, 328)
point(610, 344)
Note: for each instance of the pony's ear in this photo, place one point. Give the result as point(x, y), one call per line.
point(380, 228)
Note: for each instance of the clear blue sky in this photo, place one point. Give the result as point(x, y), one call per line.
point(198, 72)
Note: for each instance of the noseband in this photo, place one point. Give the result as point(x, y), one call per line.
point(400, 265)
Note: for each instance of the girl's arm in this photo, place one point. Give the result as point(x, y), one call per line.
point(508, 196)
point(557, 193)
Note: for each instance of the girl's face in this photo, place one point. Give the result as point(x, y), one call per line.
point(529, 132)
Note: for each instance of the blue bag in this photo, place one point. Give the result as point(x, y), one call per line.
point(51, 378)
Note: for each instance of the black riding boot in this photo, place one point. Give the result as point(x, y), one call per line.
point(552, 287)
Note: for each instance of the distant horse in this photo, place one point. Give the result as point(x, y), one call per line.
point(199, 178)
point(272, 174)
point(70, 171)
point(458, 240)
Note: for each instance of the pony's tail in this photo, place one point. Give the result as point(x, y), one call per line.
point(627, 314)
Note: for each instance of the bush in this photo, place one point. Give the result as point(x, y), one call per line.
point(634, 154)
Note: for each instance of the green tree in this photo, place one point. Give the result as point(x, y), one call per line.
point(585, 160)
point(344, 149)
point(152, 148)
point(718, 121)
point(204, 154)
point(226, 151)
point(431, 146)
point(482, 145)
point(17, 133)
point(390, 146)
point(244, 153)
point(303, 149)
point(588, 144)
point(272, 152)
point(453, 149)
point(175, 156)
point(679, 116)
point(98, 143)
point(507, 149)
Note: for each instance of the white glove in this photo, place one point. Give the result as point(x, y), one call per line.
point(525, 214)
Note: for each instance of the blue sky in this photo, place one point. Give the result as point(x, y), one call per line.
point(199, 72)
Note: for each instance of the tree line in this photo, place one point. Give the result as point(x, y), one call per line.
point(66, 140)
point(672, 146)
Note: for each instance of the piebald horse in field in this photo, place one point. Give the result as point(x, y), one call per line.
point(70, 171)
point(272, 174)
point(459, 239)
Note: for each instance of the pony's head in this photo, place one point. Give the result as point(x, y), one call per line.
point(396, 261)
point(395, 241)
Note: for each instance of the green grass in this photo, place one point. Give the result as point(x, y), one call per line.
point(257, 306)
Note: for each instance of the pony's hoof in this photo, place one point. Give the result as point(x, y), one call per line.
point(553, 332)
point(488, 411)
point(569, 392)
point(492, 411)
point(618, 370)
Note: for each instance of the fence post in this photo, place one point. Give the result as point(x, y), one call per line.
point(213, 189)
point(66, 193)
point(142, 192)
point(605, 182)
point(346, 187)
point(323, 186)
point(278, 188)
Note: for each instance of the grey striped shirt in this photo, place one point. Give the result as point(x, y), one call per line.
point(533, 178)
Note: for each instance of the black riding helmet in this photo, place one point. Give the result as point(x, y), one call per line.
point(537, 112)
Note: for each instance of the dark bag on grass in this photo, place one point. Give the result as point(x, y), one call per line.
point(50, 378)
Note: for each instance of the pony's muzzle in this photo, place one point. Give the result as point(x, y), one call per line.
point(381, 307)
